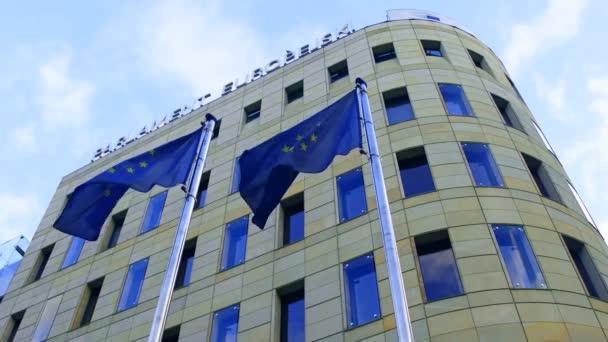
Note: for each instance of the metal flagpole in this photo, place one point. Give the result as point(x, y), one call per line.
point(166, 290)
point(395, 278)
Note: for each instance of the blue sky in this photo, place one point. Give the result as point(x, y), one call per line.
point(78, 75)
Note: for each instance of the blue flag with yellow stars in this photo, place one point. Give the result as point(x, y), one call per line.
point(268, 169)
point(91, 203)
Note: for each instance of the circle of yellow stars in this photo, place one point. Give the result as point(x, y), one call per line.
point(301, 142)
point(131, 169)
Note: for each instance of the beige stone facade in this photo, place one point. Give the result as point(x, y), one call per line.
point(489, 310)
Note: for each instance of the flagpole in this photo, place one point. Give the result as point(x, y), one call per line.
point(166, 290)
point(395, 278)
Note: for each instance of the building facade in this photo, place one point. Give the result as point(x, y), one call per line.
point(11, 253)
point(495, 244)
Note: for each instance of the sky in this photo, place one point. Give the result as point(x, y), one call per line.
point(77, 75)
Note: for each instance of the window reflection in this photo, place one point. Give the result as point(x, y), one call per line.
point(518, 257)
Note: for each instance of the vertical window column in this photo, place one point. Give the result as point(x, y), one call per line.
point(361, 289)
point(292, 312)
point(89, 299)
point(13, 326)
point(43, 259)
point(517, 257)
point(541, 178)
point(352, 201)
point(118, 221)
point(184, 271)
point(398, 106)
point(236, 177)
point(438, 266)
point(202, 190)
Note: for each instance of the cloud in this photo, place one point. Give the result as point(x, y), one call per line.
point(64, 101)
point(557, 24)
point(18, 214)
point(25, 137)
point(553, 93)
point(589, 154)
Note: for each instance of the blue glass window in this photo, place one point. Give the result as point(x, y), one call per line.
point(432, 48)
point(225, 324)
point(185, 266)
point(415, 172)
point(154, 212)
point(235, 243)
point(438, 266)
point(73, 253)
point(398, 106)
point(351, 195)
point(293, 219)
point(384, 52)
point(482, 164)
point(517, 256)
point(202, 189)
point(118, 221)
point(292, 317)
point(236, 178)
point(455, 100)
point(133, 285)
point(253, 111)
point(361, 288)
point(541, 178)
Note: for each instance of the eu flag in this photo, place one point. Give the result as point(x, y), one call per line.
point(91, 203)
point(268, 169)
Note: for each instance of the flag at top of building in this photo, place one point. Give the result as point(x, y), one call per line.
point(91, 203)
point(268, 169)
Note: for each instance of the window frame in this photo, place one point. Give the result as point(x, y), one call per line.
point(340, 217)
point(237, 307)
point(509, 116)
point(223, 257)
point(381, 51)
point(286, 295)
point(203, 187)
point(44, 255)
point(286, 206)
point(253, 111)
point(340, 66)
point(85, 308)
point(543, 285)
point(424, 291)
point(602, 278)
point(143, 229)
point(78, 244)
point(141, 285)
point(347, 296)
point(291, 89)
point(416, 151)
point(472, 175)
point(426, 46)
point(236, 173)
point(113, 236)
point(185, 267)
point(393, 95)
point(546, 186)
point(12, 328)
point(466, 102)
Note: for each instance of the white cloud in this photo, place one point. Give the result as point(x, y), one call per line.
point(19, 214)
point(557, 24)
point(64, 101)
point(553, 93)
point(25, 137)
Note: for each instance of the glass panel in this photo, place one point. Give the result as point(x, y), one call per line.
point(235, 243)
point(518, 257)
point(45, 255)
point(154, 212)
point(416, 175)
point(579, 200)
point(398, 109)
point(133, 285)
point(438, 266)
point(236, 178)
point(202, 190)
point(225, 325)
point(93, 290)
point(362, 302)
point(46, 319)
point(295, 227)
point(482, 165)
point(591, 277)
point(351, 195)
point(73, 253)
point(118, 221)
point(455, 100)
point(293, 317)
